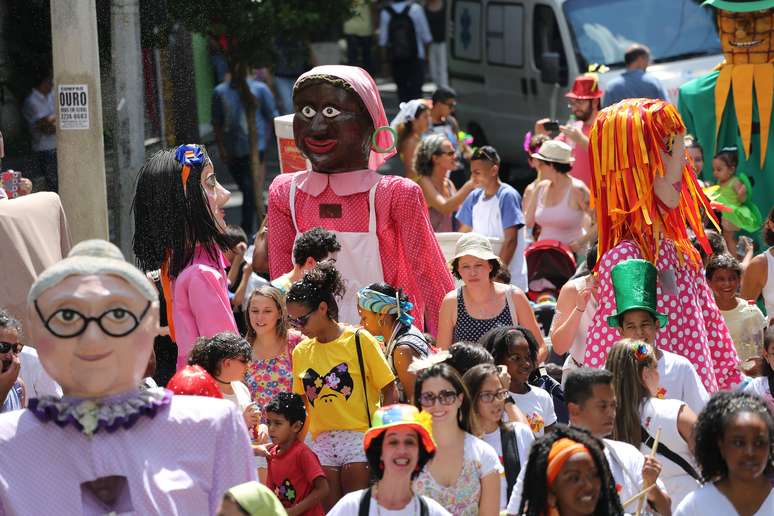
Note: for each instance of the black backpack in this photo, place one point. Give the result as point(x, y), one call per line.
point(401, 35)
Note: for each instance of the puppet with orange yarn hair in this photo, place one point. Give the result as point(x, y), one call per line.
point(646, 198)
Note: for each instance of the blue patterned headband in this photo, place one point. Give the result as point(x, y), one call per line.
point(379, 303)
point(189, 156)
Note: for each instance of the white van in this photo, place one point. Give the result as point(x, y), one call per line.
point(512, 61)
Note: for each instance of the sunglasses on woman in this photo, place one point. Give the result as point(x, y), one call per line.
point(427, 399)
point(6, 347)
point(489, 396)
point(300, 322)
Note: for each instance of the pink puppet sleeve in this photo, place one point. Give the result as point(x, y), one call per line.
point(423, 256)
point(281, 232)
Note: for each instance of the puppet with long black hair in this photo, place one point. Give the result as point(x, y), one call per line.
point(178, 217)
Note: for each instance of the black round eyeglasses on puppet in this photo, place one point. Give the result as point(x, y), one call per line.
point(67, 323)
point(332, 126)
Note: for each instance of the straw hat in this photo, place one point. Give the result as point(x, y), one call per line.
point(555, 152)
point(474, 244)
point(401, 415)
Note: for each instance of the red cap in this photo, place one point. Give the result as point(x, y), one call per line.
point(585, 87)
point(194, 381)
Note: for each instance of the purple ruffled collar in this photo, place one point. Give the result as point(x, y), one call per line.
point(90, 415)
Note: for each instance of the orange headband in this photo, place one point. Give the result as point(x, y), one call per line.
point(561, 451)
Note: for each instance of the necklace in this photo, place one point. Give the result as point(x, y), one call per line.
point(414, 502)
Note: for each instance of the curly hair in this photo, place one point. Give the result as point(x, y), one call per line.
point(534, 500)
point(275, 295)
point(711, 426)
point(170, 220)
point(288, 405)
point(497, 340)
point(768, 234)
point(8, 321)
point(627, 366)
point(427, 148)
point(374, 455)
point(465, 415)
point(210, 353)
point(321, 283)
point(317, 243)
point(723, 262)
point(465, 355)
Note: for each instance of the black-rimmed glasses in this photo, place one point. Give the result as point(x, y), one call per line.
point(6, 347)
point(67, 323)
point(300, 322)
point(427, 399)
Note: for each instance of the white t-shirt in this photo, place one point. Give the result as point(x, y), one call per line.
point(35, 378)
point(625, 465)
point(760, 387)
point(35, 107)
point(680, 381)
point(538, 407)
point(657, 413)
point(350, 504)
point(524, 440)
point(709, 500)
point(241, 397)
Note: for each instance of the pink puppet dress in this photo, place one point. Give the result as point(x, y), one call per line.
point(381, 224)
point(639, 217)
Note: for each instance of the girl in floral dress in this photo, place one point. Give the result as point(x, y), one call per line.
point(464, 475)
point(270, 371)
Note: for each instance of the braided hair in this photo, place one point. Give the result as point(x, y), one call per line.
point(321, 283)
point(534, 499)
point(171, 219)
point(711, 425)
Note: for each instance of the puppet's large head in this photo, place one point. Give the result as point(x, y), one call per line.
point(746, 30)
point(93, 318)
point(643, 186)
point(340, 124)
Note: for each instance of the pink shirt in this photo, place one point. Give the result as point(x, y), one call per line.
point(410, 255)
point(581, 169)
point(181, 461)
point(200, 302)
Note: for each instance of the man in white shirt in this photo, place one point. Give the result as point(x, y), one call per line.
point(38, 111)
point(35, 378)
point(591, 403)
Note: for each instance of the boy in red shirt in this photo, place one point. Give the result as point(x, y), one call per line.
point(295, 474)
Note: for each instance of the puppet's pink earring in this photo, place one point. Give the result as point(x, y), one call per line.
point(374, 137)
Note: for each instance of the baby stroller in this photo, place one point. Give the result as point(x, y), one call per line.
point(550, 264)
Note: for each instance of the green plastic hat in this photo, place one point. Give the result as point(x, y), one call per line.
point(634, 282)
point(740, 6)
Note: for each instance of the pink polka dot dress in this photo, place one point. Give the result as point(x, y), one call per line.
point(696, 329)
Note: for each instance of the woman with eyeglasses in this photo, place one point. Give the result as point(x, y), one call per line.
point(511, 441)
point(435, 158)
point(328, 372)
point(464, 475)
point(13, 393)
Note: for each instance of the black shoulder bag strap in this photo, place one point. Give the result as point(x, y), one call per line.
point(365, 504)
point(648, 440)
point(362, 374)
point(510, 457)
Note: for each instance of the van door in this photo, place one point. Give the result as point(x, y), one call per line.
point(507, 73)
point(549, 37)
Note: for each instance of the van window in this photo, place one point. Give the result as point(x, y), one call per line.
point(546, 38)
point(504, 34)
point(672, 29)
point(466, 16)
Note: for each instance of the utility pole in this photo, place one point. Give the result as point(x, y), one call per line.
point(77, 90)
point(129, 129)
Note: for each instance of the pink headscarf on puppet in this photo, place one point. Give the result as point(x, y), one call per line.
point(366, 89)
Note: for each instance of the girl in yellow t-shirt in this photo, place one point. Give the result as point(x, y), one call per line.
point(328, 373)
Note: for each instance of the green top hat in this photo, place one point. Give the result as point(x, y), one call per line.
point(634, 282)
point(740, 6)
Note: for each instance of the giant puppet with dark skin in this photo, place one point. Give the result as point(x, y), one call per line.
point(380, 221)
